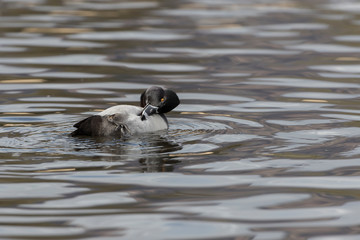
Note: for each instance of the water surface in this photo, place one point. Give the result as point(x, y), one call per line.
point(265, 143)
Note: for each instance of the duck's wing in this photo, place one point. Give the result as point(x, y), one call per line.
point(90, 126)
point(97, 125)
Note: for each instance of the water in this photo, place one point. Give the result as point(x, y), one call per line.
point(264, 146)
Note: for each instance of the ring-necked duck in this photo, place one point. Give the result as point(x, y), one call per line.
point(126, 119)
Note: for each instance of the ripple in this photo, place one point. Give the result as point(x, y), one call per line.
point(295, 26)
point(100, 60)
point(227, 11)
point(252, 208)
point(339, 75)
point(276, 34)
point(254, 31)
point(182, 78)
point(235, 120)
point(187, 130)
point(348, 38)
point(194, 52)
point(207, 13)
point(54, 166)
point(112, 6)
point(210, 96)
point(227, 166)
point(68, 75)
point(272, 30)
point(4, 69)
point(322, 182)
point(126, 98)
point(40, 231)
point(256, 106)
point(195, 148)
point(355, 68)
point(230, 74)
point(35, 2)
point(98, 92)
point(14, 23)
point(345, 6)
point(326, 48)
point(343, 116)
point(45, 18)
point(12, 49)
point(175, 180)
point(304, 83)
point(302, 138)
point(74, 86)
point(320, 95)
point(21, 119)
point(39, 107)
point(23, 135)
point(149, 55)
point(85, 200)
point(50, 99)
point(318, 136)
point(337, 237)
point(38, 190)
point(230, 138)
point(288, 165)
point(194, 124)
point(132, 35)
point(153, 226)
point(268, 106)
point(305, 122)
point(351, 153)
point(48, 42)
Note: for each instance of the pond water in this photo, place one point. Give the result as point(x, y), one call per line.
point(264, 146)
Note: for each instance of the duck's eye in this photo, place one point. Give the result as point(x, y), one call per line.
point(162, 99)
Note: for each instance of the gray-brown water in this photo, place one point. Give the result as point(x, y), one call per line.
point(264, 146)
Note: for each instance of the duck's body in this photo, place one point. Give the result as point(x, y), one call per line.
point(132, 119)
point(123, 120)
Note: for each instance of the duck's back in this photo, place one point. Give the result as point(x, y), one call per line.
point(126, 110)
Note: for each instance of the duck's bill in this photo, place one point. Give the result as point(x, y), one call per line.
point(148, 111)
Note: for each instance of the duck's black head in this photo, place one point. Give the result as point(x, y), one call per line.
point(158, 100)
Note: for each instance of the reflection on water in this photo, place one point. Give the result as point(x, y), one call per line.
point(265, 143)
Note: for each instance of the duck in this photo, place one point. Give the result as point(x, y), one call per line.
point(123, 120)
